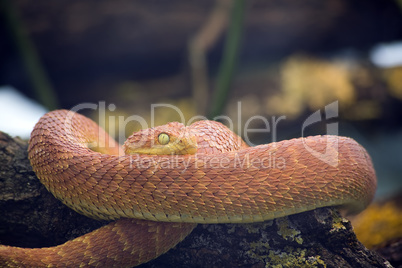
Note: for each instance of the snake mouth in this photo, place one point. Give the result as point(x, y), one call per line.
point(93, 146)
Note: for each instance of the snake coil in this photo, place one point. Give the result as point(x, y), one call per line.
point(158, 193)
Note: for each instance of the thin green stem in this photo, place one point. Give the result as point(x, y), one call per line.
point(229, 60)
point(29, 55)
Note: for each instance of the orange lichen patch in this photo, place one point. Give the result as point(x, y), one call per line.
point(313, 83)
point(378, 223)
point(393, 77)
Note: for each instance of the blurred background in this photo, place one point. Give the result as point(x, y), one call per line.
point(279, 61)
point(277, 58)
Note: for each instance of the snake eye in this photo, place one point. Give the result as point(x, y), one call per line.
point(163, 138)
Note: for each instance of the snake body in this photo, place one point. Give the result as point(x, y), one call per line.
point(215, 178)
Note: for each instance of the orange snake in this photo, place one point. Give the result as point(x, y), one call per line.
point(209, 176)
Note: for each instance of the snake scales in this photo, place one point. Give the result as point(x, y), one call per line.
point(212, 177)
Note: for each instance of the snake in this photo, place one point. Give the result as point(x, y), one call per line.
point(165, 180)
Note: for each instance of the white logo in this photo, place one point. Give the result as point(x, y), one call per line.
point(331, 152)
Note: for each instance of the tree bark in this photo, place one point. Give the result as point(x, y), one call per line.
point(31, 217)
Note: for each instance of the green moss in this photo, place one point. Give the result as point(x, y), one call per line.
point(256, 248)
point(255, 228)
point(287, 232)
point(338, 222)
point(232, 230)
point(293, 258)
point(289, 256)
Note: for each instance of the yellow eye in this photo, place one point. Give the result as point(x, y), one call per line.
point(163, 138)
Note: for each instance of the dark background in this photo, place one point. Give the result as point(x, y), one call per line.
point(136, 53)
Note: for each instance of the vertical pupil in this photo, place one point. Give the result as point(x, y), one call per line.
point(163, 138)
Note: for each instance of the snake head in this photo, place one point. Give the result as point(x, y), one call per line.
point(172, 138)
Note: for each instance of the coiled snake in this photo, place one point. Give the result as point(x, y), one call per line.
point(173, 177)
